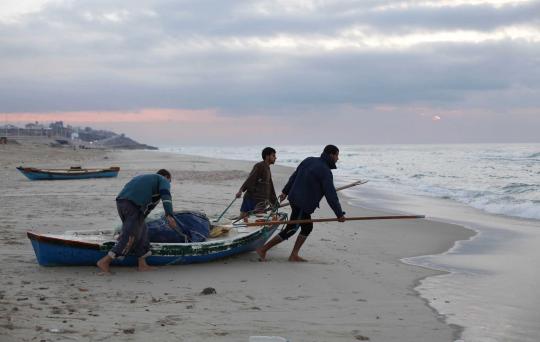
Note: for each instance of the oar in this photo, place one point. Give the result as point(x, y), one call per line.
point(224, 211)
point(360, 182)
point(357, 218)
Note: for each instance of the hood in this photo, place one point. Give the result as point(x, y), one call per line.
point(326, 157)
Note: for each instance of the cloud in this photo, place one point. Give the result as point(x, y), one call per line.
point(140, 116)
point(13, 11)
point(273, 58)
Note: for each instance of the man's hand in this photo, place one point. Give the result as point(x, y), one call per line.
point(282, 197)
point(239, 194)
point(172, 222)
point(341, 218)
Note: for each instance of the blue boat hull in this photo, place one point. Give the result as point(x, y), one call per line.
point(37, 175)
point(64, 252)
point(54, 255)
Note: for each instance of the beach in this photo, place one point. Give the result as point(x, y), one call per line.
point(354, 286)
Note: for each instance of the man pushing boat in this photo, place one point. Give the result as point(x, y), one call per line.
point(136, 200)
point(311, 180)
point(258, 186)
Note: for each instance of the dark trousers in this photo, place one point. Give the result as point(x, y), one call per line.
point(133, 238)
point(291, 229)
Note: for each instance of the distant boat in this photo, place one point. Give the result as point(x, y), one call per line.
point(74, 172)
point(85, 248)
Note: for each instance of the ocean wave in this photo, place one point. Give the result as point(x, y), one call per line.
point(291, 161)
point(495, 201)
point(487, 201)
point(519, 188)
point(524, 209)
point(496, 204)
point(497, 179)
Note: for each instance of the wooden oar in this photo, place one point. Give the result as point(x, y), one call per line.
point(360, 182)
point(357, 218)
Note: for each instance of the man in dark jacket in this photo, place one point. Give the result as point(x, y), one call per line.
point(311, 180)
point(138, 197)
point(258, 186)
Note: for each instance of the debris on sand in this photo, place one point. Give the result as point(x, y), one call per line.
point(208, 291)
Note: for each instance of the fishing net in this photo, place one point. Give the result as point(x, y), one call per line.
point(191, 226)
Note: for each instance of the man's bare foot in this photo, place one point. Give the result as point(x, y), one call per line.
point(296, 258)
point(146, 268)
point(103, 265)
point(143, 265)
point(262, 254)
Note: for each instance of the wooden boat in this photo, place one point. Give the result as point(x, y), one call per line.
point(87, 247)
point(75, 172)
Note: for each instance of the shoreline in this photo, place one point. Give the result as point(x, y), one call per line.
point(457, 329)
point(480, 270)
point(472, 233)
point(354, 286)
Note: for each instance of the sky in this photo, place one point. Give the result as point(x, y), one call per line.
point(270, 72)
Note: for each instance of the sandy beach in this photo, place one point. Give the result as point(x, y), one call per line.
point(354, 287)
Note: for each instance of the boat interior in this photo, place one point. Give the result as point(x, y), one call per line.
point(230, 232)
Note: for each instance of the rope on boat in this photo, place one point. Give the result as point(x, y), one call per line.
point(260, 208)
point(224, 211)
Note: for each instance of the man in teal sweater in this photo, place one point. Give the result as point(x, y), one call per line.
point(136, 200)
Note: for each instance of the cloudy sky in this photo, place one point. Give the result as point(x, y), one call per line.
point(195, 72)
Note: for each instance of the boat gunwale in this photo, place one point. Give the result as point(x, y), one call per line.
point(208, 243)
point(158, 245)
point(60, 241)
point(67, 171)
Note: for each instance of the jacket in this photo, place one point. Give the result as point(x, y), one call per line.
point(312, 180)
point(259, 186)
point(146, 191)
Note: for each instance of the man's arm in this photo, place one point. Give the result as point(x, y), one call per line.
point(165, 195)
point(331, 195)
point(288, 186)
point(166, 199)
point(273, 197)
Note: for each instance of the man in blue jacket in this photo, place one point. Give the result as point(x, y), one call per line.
point(138, 197)
point(311, 180)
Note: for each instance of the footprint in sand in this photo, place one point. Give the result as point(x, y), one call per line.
point(169, 320)
point(359, 336)
point(295, 298)
point(56, 310)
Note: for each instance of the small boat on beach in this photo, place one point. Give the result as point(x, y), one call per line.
point(79, 248)
point(74, 172)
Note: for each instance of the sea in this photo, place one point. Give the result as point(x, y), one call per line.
point(491, 287)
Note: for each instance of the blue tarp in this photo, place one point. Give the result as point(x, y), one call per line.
point(192, 226)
